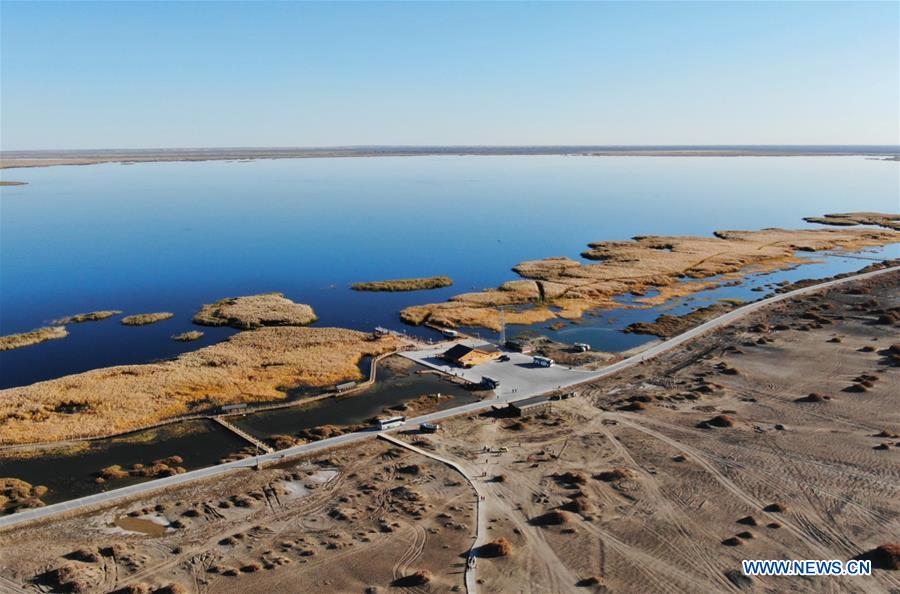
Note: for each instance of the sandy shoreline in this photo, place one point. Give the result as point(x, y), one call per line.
point(18, 159)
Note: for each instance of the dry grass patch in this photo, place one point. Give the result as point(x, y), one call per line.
point(636, 266)
point(886, 556)
point(16, 494)
point(614, 475)
point(148, 318)
point(164, 467)
point(24, 339)
point(667, 325)
point(91, 316)
point(552, 518)
point(405, 284)
point(720, 421)
point(571, 477)
point(189, 336)
point(249, 366)
point(496, 548)
point(418, 578)
point(255, 311)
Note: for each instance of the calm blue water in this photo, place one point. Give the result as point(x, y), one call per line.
point(170, 236)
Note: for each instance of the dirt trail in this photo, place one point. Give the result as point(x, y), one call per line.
point(699, 457)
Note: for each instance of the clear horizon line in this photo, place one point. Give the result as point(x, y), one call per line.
point(357, 147)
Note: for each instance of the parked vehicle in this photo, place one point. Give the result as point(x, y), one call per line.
point(542, 361)
point(390, 422)
point(490, 383)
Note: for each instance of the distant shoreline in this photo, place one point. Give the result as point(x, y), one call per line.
point(19, 159)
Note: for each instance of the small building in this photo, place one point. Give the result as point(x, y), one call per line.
point(582, 347)
point(449, 333)
point(530, 406)
point(381, 331)
point(490, 383)
point(470, 356)
point(542, 361)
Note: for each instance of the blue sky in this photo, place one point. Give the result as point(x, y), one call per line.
point(147, 74)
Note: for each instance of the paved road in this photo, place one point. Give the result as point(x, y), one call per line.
point(132, 491)
point(480, 522)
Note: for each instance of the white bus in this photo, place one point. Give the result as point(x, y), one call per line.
point(542, 361)
point(390, 423)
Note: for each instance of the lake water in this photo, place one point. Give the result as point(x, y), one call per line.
point(171, 236)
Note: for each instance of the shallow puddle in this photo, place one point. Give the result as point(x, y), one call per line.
point(151, 526)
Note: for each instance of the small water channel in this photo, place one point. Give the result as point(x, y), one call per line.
point(71, 472)
point(391, 388)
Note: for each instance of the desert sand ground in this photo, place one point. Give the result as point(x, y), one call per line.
point(776, 437)
point(653, 496)
point(343, 522)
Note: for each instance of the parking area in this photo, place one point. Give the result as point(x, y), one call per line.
point(518, 376)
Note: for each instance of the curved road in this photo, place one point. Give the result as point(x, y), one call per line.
point(134, 491)
point(479, 509)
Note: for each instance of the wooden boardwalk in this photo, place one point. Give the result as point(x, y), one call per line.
point(243, 434)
